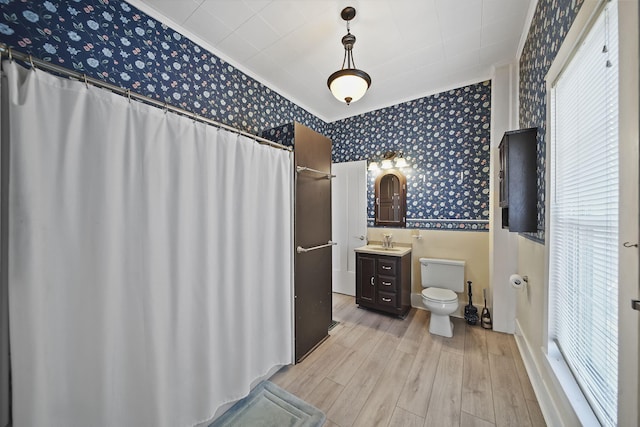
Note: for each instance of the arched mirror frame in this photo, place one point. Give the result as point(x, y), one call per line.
point(400, 203)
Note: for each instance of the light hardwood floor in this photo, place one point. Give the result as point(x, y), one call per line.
point(376, 370)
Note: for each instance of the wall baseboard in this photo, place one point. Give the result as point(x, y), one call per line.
point(549, 410)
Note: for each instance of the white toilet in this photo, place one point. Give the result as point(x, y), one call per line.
point(441, 278)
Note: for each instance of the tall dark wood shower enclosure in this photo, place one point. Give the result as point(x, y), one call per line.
point(312, 234)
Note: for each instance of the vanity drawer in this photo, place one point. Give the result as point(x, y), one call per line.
point(387, 299)
point(387, 267)
point(386, 283)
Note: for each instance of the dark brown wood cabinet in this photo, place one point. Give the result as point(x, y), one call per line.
point(312, 284)
point(517, 176)
point(384, 282)
point(365, 287)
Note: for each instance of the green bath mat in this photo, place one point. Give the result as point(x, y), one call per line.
point(270, 406)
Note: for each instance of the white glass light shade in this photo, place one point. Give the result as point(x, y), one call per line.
point(401, 162)
point(387, 164)
point(373, 166)
point(349, 85)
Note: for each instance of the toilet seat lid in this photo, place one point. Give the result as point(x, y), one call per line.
point(440, 295)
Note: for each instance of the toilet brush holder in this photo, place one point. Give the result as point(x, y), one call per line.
point(470, 312)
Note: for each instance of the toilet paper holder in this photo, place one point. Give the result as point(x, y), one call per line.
point(516, 280)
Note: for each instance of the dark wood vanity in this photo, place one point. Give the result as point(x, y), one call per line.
point(383, 282)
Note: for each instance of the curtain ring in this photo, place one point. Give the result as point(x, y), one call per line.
point(10, 55)
point(86, 82)
point(129, 95)
point(166, 108)
point(33, 67)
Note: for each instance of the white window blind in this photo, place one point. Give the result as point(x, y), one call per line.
point(583, 278)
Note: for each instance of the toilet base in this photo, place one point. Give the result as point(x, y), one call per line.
point(441, 325)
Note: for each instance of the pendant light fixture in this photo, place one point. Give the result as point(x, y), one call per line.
point(348, 84)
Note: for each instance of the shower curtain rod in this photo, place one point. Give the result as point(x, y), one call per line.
point(36, 63)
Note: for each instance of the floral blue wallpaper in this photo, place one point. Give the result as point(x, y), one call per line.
point(551, 21)
point(445, 137)
point(113, 41)
point(283, 135)
point(446, 140)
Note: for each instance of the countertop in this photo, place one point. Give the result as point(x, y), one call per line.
point(377, 249)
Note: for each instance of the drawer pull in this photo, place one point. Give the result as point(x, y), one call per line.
point(386, 267)
point(386, 299)
point(372, 283)
point(386, 283)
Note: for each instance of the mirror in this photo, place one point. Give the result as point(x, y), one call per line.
point(391, 199)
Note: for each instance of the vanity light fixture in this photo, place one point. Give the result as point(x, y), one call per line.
point(389, 160)
point(348, 84)
point(401, 162)
point(386, 164)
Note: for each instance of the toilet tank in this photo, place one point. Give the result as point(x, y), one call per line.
point(442, 273)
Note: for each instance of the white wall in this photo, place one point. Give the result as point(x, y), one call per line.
point(629, 288)
point(503, 248)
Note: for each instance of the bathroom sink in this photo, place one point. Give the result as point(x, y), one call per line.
point(381, 250)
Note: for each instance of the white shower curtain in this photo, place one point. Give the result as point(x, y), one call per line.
point(149, 259)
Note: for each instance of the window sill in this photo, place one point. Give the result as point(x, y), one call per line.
point(570, 387)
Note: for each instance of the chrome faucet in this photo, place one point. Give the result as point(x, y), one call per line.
point(387, 241)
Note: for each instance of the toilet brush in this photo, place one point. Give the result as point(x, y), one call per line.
point(470, 312)
point(485, 319)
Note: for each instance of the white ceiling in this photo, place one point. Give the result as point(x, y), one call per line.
point(410, 48)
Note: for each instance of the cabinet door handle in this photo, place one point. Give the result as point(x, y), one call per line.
point(386, 267)
point(372, 282)
point(386, 283)
point(386, 299)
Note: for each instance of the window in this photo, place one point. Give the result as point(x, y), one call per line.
point(583, 252)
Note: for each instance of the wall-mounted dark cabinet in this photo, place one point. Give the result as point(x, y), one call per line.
point(518, 189)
